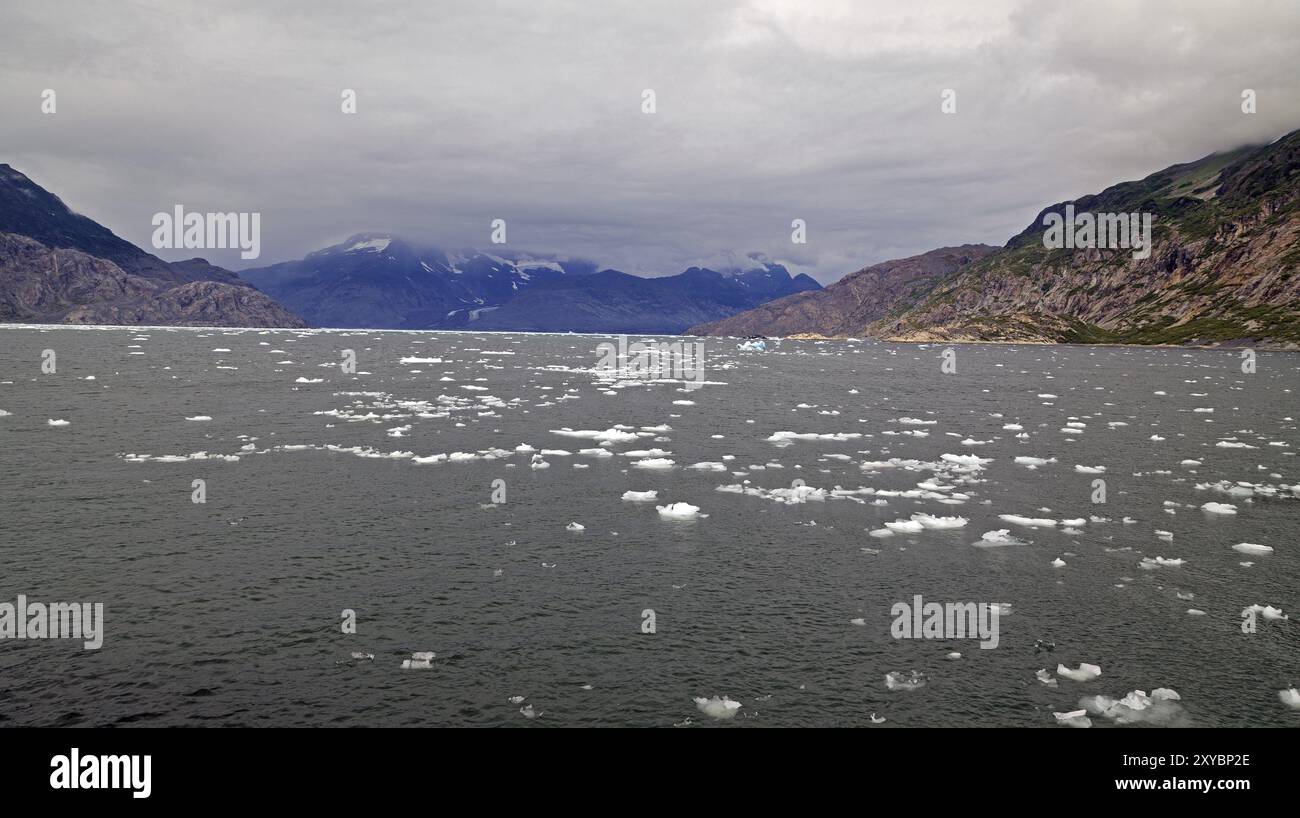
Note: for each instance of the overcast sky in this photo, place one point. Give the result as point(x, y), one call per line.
point(531, 111)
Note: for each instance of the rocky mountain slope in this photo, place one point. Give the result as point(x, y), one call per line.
point(1223, 268)
point(57, 266)
point(844, 308)
point(381, 280)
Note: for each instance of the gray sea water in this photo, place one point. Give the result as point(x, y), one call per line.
point(229, 612)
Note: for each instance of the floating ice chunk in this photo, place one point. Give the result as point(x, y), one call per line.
point(905, 527)
point(1013, 427)
point(4, 414)
point(420, 660)
point(1149, 563)
point(1001, 536)
point(575, 527)
point(309, 380)
point(788, 437)
point(683, 403)
point(1219, 508)
point(1046, 678)
point(1058, 563)
point(966, 459)
point(860, 622)
point(654, 463)
point(679, 511)
point(717, 708)
point(640, 496)
point(1090, 469)
point(1075, 718)
point(1084, 673)
point(1290, 697)
point(1161, 708)
point(611, 435)
point(939, 522)
point(910, 680)
point(1195, 612)
point(1267, 611)
point(953, 656)
point(1252, 548)
point(1033, 462)
point(412, 360)
point(1031, 522)
point(708, 465)
point(57, 422)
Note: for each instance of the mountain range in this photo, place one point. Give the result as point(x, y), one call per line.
point(1224, 266)
point(1221, 268)
point(57, 266)
point(379, 280)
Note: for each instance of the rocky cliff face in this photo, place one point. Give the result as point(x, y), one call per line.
point(39, 284)
point(1223, 268)
point(59, 267)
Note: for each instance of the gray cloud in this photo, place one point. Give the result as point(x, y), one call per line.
point(769, 110)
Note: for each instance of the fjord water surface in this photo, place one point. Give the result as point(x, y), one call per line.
point(229, 612)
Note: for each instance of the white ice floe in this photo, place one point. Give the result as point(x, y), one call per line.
point(717, 708)
point(1075, 718)
point(1162, 708)
point(1034, 462)
point(575, 527)
point(789, 437)
point(654, 463)
point(905, 527)
point(640, 496)
point(1252, 548)
point(679, 511)
point(1267, 611)
point(1090, 469)
point(1001, 536)
point(57, 422)
point(1290, 697)
point(1084, 673)
point(939, 523)
point(611, 435)
point(900, 680)
point(1030, 522)
point(1150, 563)
point(420, 660)
point(1219, 508)
point(200, 417)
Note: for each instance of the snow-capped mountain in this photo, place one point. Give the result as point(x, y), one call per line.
point(382, 281)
